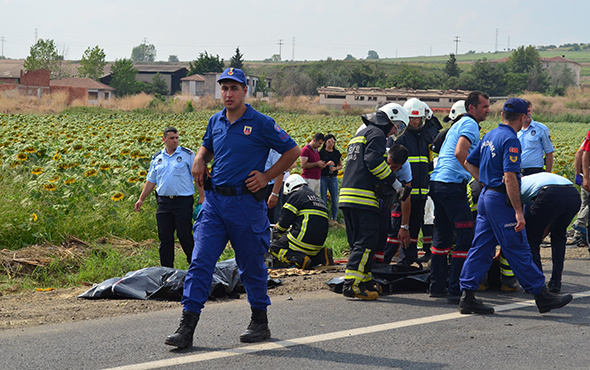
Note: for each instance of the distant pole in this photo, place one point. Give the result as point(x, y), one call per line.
point(430, 50)
point(280, 45)
point(293, 52)
point(35, 35)
point(496, 40)
point(2, 39)
point(457, 41)
point(508, 43)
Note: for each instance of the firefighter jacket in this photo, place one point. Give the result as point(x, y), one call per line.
point(365, 167)
point(307, 215)
point(418, 144)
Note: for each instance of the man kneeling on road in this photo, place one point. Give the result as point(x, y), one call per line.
point(307, 215)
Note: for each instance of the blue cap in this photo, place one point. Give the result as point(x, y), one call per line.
point(233, 74)
point(516, 105)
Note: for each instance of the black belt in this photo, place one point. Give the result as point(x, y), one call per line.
point(231, 191)
point(499, 189)
point(557, 186)
point(531, 170)
point(174, 196)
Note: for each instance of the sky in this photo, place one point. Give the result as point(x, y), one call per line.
point(296, 29)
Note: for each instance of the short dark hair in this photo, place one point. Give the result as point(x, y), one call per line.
point(512, 116)
point(169, 130)
point(473, 99)
point(528, 103)
point(318, 136)
point(398, 154)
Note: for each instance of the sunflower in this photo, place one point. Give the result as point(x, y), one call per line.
point(104, 167)
point(37, 171)
point(34, 217)
point(118, 196)
point(143, 173)
point(70, 181)
point(78, 147)
point(89, 173)
point(135, 166)
point(57, 157)
point(125, 151)
point(22, 156)
point(50, 187)
point(55, 178)
point(30, 149)
point(133, 179)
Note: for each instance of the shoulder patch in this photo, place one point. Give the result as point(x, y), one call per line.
point(187, 150)
point(155, 155)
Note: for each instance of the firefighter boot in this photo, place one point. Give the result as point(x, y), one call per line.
point(258, 329)
point(325, 257)
point(359, 291)
point(546, 301)
point(183, 337)
point(469, 304)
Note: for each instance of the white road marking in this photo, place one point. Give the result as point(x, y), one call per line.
point(267, 346)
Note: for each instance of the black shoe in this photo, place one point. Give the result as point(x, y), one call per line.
point(258, 329)
point(554, 286)
point(547, 301)
point(453, 299)
point(183, 337)
point(469, 304)
point(440, 294)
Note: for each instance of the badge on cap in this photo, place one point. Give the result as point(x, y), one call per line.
point(231, 71)
point(247, 130)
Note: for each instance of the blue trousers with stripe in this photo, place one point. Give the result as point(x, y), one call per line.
point(495, 225)
point(244, 222)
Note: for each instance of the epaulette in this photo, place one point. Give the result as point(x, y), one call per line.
point(155, 155)
point(187, 150)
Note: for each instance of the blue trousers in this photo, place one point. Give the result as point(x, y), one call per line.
point(243, 221)
point(330, 184)
point(495, 225)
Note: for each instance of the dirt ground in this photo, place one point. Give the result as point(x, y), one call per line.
point(18, 310)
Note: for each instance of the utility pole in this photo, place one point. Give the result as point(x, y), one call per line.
point(35, 35)
point(508, 43)
point(2, 40)
point(457, 41)
point(496, 50)
point(280, 43)
point(293, 52)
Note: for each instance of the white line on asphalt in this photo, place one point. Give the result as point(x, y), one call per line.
point(267, 346)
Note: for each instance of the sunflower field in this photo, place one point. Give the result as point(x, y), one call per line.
point(80, 174)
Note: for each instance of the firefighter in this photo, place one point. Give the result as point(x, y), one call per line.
point(307, 215)
point(417, 139)
point(367, 178)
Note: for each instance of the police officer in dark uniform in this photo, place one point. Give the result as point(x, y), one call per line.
point(239, 138)
point(495, 162)
point(170, 173)
point(307, 215)
point(366, 167)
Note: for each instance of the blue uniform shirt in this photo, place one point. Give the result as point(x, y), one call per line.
point(172, 173)
point(253, 133)
point(535, 142)
point(448, 168)
point(404, 173)
point(498, 152)
point(531, 184)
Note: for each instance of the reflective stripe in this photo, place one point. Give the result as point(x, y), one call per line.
point(419, 191)
point(358, 140)
point(393, 240)
point(381, 171)
point(358, 196)
point(460, 254)
point(418, 159)
point(440, 251)
point(291, 208)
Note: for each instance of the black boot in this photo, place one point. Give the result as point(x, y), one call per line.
point(183, 337)
point(547, 301)
point(258, 329)
point(469, 304)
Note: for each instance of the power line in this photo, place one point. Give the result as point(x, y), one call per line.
point(293, 53)
point(457, 41)
point(280, 43)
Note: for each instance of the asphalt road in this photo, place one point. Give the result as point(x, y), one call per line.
point(325, 330)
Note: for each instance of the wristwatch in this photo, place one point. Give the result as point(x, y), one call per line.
point(405, 227)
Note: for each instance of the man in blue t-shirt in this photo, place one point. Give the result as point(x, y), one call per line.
point(495, 162)
point(453, 221)
point(239, 138)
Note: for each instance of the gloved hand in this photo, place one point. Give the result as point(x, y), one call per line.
point(403, 193)
point(579, 180)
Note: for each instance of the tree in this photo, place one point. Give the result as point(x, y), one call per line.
point(484, 76)
point(237, 61)
point(159, 85)
point(262, 86)
point(143, 53)
point(561, 78)
point(372, 54)
point(349, 57)
point(451, 68)
point(205, 63)
point(43, 55)
point(524, 60)
point(92, 63)
point(124, 75)
point(525, 66)
point(173, 58)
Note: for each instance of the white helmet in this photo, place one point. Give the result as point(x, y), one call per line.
point(427, 111)
point(293, 183)
point(388, 116)
point(416, 108)
point(456, 110)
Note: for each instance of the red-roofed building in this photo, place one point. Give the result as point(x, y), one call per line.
point(94, 90)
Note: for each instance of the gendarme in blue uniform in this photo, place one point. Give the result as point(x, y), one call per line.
point(535, 141)
point(172, 173)
point(237, 149)
point(499, 151)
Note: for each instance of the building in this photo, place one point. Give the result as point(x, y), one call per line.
point(94, 90)
point(370, 97)
point(549, 63)
point(206, 84)
point(171, 73)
